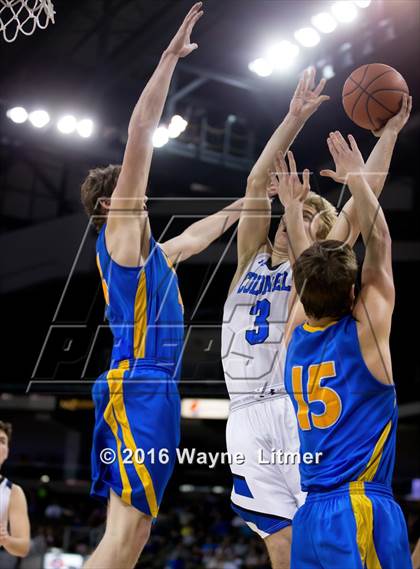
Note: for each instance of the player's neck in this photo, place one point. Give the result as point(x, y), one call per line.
point(321, 322)
point(278, 257)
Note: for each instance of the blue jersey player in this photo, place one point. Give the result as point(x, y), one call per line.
point(137, 411)
point(339, 377)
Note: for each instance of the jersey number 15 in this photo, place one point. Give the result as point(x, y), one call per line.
point(314, 392)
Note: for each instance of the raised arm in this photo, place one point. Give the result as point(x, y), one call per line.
point(292, 193)
point(255, 218)
point(201, 234)
point(376, 170)
point(305, 101)
point(374, 307)
point(127, 203)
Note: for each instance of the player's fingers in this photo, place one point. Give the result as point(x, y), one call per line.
point(292, 163)
point(406, 104)
point(341, 141)
point(194, 8)
point(308, 78)
point(311, 78)
point(322, 99)
point(327, 174)
point(336, 147)
point(192, 47)
point(306, 180)
point(410, 104)
point(333, 150)
point(300, 86)
point(194, 20)
point(320, 87)
point(353, 143)
point(305, 80)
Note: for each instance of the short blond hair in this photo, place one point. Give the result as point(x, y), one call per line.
point(327, 213)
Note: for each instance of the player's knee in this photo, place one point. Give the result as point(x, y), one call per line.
point(134, 534)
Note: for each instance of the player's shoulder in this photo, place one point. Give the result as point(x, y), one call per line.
point(17, 492)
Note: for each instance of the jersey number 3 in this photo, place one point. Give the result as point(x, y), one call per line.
point(259, 333)
point(316, 393)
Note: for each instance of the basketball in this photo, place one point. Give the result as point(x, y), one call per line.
point(373, 94)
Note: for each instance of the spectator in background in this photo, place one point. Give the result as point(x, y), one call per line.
point(14, 520)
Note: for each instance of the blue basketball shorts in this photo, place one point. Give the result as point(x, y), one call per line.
point(356, 526)
point(136, 435)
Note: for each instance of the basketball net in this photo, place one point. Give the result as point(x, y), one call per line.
point(24, 16)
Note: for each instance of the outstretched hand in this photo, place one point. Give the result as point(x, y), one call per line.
point(347, 157)
point(286, 180)
point(398, 121)
point(181, 45)
point(307, 98)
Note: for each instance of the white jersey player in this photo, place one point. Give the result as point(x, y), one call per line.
point(266, 495)
point(261, 426)
point(14, 521)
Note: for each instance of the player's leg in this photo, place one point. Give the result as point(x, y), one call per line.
point(285, 438)
point(139, 415)
point(278, 545)
point(127, 532)
point(260, 495)
point(415, 557)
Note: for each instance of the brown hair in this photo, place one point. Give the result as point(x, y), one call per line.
point(325, 210)
point(99, 183)
point(324, 275)
point(7, 428)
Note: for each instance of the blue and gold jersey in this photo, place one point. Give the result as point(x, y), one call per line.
point(144, 309)
point(343, 412)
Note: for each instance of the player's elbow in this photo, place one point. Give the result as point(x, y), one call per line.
point(255, 183)
point(381, 236)
point(23, 549)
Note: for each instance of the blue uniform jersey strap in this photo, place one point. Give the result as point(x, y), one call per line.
point(343, 411)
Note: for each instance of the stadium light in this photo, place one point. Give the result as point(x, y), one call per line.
point(324, 22)
point(160, 137)
point(176, 126)
point(308, 37)
point(39, 118)
point(18, 115)
point(85, 128)
point(282, 55)
point(344, 11)
point(67, 124)
point(362, 3)
point(261, 67)
point(186, 488)
point(328, 71)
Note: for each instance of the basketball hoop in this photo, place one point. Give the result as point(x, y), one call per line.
point(24, 16)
